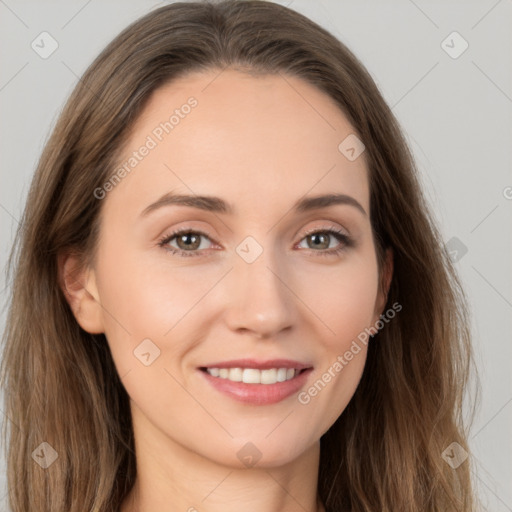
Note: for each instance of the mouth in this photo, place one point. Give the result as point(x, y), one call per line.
point(257, 383)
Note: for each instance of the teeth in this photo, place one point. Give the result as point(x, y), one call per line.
point(250, 376)
point(235, 374)
point(281, 375)
point(253, 375)
point(269, 376)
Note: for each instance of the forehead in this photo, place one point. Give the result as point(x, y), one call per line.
point(273, 136)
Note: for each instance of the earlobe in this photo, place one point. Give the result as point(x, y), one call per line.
point(79, 287)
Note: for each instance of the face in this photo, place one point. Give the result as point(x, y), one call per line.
point(254, 288)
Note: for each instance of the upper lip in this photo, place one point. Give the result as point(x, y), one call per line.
point(259, 365)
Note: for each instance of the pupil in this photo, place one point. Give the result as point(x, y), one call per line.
point(187, 236)
point(317, 237)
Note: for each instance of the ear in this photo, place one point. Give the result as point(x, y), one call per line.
point(79, 287)
point(385, 283)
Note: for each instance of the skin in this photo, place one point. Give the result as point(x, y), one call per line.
point(260, 143)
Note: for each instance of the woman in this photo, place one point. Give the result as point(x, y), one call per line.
point(228, 289)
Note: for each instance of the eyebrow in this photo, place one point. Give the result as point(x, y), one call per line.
point(218, 205)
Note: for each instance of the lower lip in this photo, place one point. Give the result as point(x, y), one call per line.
point(258, 394)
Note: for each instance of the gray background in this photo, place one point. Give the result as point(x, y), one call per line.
point(456, 113)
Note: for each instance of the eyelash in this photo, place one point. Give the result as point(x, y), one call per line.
point(347, 241)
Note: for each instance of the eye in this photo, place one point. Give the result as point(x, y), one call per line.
point(322, 238)
point(188, 241)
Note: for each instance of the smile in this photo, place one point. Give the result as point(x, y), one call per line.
point(256, 382)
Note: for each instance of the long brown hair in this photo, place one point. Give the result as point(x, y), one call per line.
point(384, 453)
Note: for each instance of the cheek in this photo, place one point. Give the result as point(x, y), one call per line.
point(150, 325)
point(147, 297)
point(332, 387)
point(342, 298)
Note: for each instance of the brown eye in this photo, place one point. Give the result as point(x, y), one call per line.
point(188, 242)
point(319, 240)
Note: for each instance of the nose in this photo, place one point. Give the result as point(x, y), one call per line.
point(261, 300)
